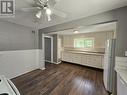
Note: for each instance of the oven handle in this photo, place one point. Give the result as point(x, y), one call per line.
point(13, 87)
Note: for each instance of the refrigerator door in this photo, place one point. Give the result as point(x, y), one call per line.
point(107, 65)
point(109, 58)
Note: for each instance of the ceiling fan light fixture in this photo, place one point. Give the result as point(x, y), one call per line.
point(48, 11)
point(49, 17)
point(75, 31)
point(43, 9)
point(38, 15)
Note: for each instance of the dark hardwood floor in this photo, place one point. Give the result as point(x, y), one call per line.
point(62, 79)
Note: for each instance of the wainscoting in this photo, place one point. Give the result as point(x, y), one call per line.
point(18, 62)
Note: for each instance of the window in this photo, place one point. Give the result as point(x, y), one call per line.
point(84, 43)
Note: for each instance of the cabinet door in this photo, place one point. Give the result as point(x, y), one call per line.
point(90, 60)
point(67, 56)
point(98, 61)
point(70, 57)
point(76, 58)
point(94, 61)
point(121, 86)
point(83, 59)
point(64, 56)
point(102, 61)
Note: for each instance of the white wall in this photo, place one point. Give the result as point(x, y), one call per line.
point(16, 37)
point(99, 38)
point(19, 52)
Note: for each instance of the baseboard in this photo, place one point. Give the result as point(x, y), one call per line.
point(48, 61)
point(42, 68)
point(57, 62)
point(53, 62)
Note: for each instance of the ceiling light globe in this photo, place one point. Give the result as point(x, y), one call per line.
point(76, 31)
point(48, 11)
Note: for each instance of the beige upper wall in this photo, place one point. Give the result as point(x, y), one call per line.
point(99, 38)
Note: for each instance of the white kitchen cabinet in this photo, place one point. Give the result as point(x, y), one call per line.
point(64, 56)
point(76, 58)
point(102, 60)
point(94, 61)
point(121, 86)
point(83, 59)
point(97, 61)
point(90, 60)
point(67, 56)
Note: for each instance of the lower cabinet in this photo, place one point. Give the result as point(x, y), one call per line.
point(76, 58)
point(84, 59)
point(121, 86)
point(94, 61)
point(67, 57)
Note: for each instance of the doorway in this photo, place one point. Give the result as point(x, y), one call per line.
point(48, 49)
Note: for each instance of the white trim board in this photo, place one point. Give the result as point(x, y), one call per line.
point(57, 62)
point(45, 36)
point(53, 62)
point(48, 61)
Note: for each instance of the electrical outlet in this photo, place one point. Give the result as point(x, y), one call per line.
point(125, 53)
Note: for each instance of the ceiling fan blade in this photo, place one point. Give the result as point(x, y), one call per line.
point(40, 2)
point(30, 1)
point(57, 0)
point(29, 9)
point(59, 13)
point(52, 2)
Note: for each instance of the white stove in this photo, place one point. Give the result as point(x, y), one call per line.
point(7, 87)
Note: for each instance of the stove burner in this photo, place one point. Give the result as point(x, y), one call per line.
point(4, 94)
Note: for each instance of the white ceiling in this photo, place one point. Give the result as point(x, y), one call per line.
point(88, 29)
point(74, 9)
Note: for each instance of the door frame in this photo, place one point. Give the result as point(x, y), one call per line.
point(45, 36)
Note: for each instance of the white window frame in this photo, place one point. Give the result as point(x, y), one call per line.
point(84, 39)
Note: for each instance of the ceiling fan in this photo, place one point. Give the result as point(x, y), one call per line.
point(44, 7)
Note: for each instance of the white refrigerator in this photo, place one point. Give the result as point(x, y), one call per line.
point(109, 63)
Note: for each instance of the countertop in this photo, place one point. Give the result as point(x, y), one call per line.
point(122, 73)
point(121, 67)
point(86, 52)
